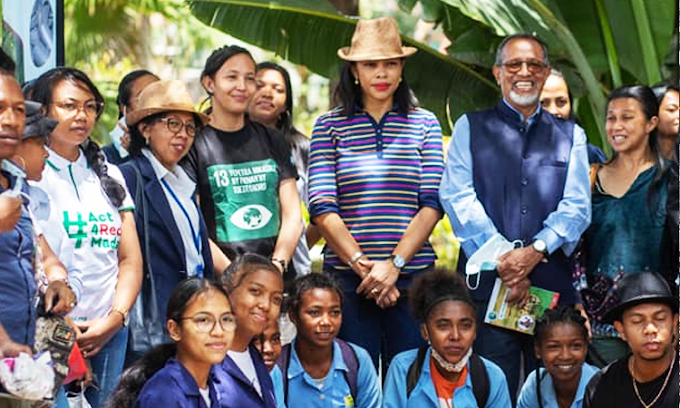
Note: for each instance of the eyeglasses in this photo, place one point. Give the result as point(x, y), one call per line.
point(534, 66)
point(205, 322)
point(176, 125)
point(91, 108)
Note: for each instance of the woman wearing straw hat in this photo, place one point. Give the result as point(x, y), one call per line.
point(171, 230)
point(375, 166)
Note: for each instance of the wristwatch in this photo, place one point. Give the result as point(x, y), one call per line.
point(398, 261)
point(540, 246)
point(122, 312)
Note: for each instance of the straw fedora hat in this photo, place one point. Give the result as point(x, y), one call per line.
point(376, 39)
point(163, 96)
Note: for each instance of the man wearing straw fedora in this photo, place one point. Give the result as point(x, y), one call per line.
point(646, 316)
point(517, 171)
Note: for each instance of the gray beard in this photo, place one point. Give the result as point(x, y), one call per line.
point(520, 100)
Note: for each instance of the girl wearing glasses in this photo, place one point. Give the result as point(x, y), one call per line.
point(173, 236)
point(244, 170)
point(88, 199)
point(255, 290)
point(177, 374)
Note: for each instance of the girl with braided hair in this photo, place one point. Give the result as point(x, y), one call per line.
point(87, 197)
point(561, 343)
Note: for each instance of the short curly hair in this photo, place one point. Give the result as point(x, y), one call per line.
point(432, 288)
point(309, 282)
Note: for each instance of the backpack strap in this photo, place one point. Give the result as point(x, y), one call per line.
point(539, 378)
point(480, 380)
point(349, 356)
point(283, 362)
point(414, 370)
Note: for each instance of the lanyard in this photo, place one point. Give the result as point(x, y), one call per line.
point(196, 237)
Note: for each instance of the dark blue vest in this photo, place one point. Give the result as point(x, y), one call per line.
point(519, 172)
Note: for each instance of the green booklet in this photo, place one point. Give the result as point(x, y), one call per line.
point(501, 314)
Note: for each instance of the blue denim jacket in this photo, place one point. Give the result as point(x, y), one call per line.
point(17, 280)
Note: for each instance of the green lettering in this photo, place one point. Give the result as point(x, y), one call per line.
point(80, 232)
point(95, 229)
point(96, 242)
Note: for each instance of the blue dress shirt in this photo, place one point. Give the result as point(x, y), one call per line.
point(473, 227)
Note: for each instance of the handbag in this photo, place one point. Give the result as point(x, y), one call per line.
point(146, 325)
point(55, 334)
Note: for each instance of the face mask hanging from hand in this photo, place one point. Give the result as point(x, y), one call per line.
point(486, 258)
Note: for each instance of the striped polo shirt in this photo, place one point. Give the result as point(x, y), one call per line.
point(376, 176)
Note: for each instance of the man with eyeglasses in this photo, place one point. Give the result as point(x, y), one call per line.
point(517, 171)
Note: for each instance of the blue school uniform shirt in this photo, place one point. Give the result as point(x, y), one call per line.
point(424, 394)
point(529, 399)
point(303, 391)
point(277, 379)
point(174, 387)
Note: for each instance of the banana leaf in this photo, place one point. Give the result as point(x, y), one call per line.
point(310, 32)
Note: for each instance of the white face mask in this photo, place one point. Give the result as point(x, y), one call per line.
point(486, 258)
point(451, 367)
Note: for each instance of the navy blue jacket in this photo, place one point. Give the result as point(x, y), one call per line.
point(234, 389)
point(167, 256)
point(174, 387)
point(519, 176)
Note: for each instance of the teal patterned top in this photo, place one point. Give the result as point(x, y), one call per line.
point(625, 233)
point(625, 236)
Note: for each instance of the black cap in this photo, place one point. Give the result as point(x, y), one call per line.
point(641, 287)
point(37, 125)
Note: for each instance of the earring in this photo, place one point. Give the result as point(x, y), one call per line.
point(356, 81)
point(147, 140)
point(400, 79)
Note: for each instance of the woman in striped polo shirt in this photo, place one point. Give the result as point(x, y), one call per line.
point(375, 166)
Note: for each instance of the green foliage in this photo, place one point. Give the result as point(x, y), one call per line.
point(309, 33)
point(109, 38)
point(598, 44)
point(445, 244)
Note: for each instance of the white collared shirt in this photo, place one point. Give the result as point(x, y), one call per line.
point(76, 202)
point(184, 188)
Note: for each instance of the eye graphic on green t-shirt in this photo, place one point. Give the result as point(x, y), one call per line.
point(251, 217)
